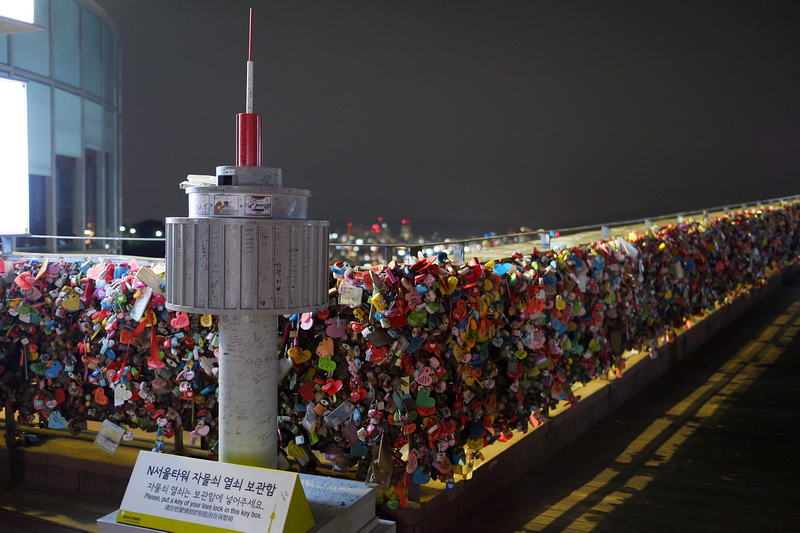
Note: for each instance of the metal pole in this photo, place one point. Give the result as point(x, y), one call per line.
point(248, 390)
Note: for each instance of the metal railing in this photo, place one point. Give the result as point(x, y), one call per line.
point(373, 252)
point(455, 248)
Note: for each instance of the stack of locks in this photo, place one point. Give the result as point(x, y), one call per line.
point(411, 370)
point(89, 342)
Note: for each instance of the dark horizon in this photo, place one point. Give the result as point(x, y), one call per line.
point(520, 114)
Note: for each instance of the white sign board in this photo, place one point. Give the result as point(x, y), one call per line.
point(181, 494)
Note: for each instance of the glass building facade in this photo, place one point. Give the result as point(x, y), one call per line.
point(72, 68)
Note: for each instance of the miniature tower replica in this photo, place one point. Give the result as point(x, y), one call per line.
point(247, 253)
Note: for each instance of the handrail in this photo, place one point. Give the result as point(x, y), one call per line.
point(577, 229)
point(448, 243)
point(729, 221)
point(84, 238)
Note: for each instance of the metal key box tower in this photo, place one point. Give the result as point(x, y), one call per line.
point(247, 253)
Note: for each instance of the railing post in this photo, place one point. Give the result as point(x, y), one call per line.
point(178, 440)
point(458, 252)
point(10, 422)
point(16, 466)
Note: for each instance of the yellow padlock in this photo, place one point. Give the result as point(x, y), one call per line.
point(378, 302)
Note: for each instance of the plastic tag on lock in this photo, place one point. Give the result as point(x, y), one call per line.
point(340, 414)
point(350, 295)
point(310, 418)
point(150, 278)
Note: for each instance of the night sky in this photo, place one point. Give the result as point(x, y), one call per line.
point(468, 116)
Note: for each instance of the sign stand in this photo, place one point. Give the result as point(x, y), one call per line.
point(205, 496)
point(183, 494)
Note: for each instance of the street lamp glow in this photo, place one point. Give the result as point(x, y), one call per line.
point(159, 233)
point(133, 231)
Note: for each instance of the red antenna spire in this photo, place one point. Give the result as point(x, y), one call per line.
point(248, 124)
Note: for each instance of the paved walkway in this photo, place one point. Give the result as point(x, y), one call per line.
point(714, 445)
